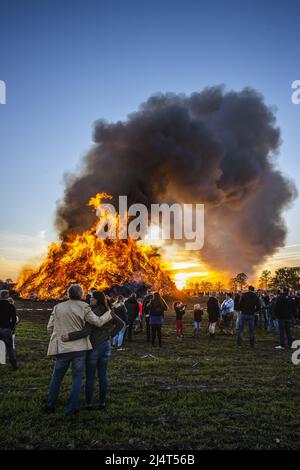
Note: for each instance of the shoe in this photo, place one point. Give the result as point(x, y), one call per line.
point(71, 413)
point(121, 349)
point(279, 347)
point(48, 410)
point(102, 406)
point(89, 407)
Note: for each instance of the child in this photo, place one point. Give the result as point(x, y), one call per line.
point(198, 313)
point(180, 311)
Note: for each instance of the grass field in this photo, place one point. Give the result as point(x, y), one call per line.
point(193, 394)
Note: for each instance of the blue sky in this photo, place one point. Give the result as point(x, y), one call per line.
point(68, 63)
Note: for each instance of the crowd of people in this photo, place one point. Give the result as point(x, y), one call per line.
point(83, 332)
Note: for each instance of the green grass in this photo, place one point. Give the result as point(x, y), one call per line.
point(195, 394)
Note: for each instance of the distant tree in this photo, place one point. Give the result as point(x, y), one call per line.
point(206, 286)
point(286, 277)
point(241, 280)
point(233, 284)
point(190, 284)
point(265, 280)
point(9, 281)
point(218, 286)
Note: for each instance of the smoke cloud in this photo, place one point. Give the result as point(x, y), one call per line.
point(214, 147)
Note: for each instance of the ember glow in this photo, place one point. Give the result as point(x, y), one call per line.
point(94, 262)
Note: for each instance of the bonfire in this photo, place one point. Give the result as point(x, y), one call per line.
point(94, 262)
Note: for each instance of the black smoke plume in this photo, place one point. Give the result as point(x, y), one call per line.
point(214, 147)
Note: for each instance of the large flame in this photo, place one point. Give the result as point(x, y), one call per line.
point(94, 262)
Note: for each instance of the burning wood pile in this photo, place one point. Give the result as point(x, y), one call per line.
point(93, 262)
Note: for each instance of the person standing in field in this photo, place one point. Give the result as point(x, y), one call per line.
point(132, 308)
point(146, 313)
point(157, 307)
point(97, 359)
point(285, 311)
point(8, 321)
point(120, 310)
point(198, 314)
point(236, 300)
point(227, 309)
point(179, 308)
point(213, 310)
point(273, 321)
point(71, 315)
point(249, 306)
point(139, 318)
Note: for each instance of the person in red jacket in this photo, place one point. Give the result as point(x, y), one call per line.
point(179, 308)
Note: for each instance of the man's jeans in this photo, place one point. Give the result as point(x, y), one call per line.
point(63, 361)
point(275, 323)
point(118, 339)
point(238, 316)
point(242, 321)
point(263, 318)
point(285, 327)
point(6, 336)
point(97, 360)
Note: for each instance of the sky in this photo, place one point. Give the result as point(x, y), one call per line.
point(68, 63)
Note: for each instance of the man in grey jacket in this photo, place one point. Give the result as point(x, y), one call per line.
point(70, 316)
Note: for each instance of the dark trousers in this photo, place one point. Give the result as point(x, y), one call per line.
point(285, 328)
point(156, 330)
point(130, 330)
point(148, 330)
point(6, 336)
point(250, 320)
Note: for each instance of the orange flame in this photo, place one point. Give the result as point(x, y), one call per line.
point(93, 262)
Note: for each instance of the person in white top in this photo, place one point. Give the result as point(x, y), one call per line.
point(227, 310)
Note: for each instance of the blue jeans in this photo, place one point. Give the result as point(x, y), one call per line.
point(238, 316)
point(97, 360)
point(118, 339)
point(242, 321)
point(285, 327)
point(63, 361)
point(263, 318)
point(275, 323)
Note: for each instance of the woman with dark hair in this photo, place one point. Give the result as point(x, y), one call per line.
point(213, 310)
point(97, 359)
point(157, 307)
point(132, 307)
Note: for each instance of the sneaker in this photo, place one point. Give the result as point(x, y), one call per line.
point(279, 347)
